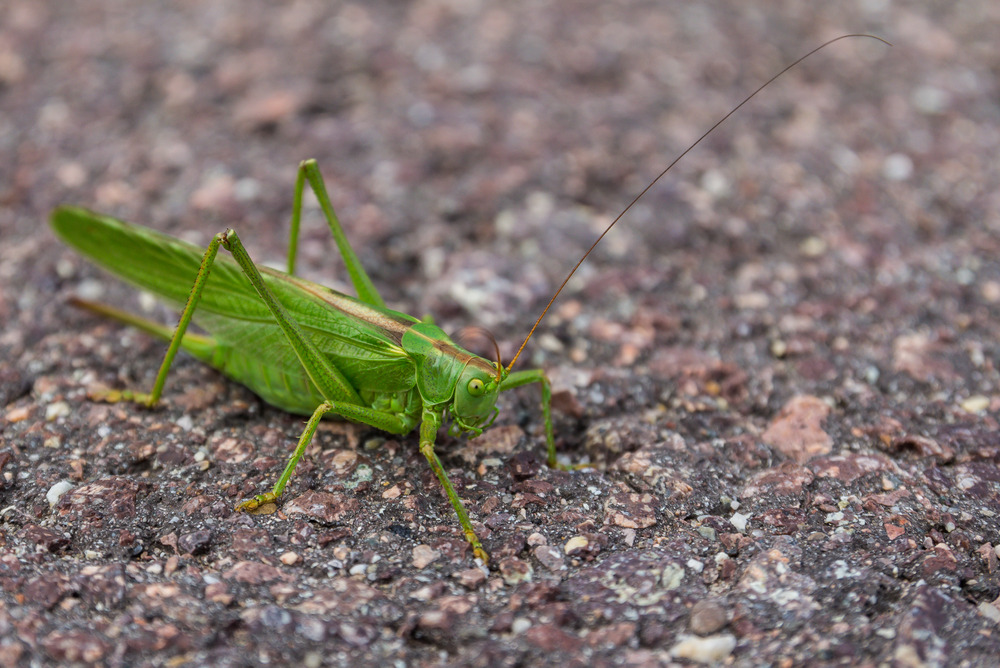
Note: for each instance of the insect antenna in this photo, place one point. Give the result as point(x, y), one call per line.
point(663, 173)
point(474, 331)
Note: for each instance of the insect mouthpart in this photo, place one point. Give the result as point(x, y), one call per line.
point(471, 425)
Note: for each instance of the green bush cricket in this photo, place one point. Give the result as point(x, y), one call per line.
point(310, 350)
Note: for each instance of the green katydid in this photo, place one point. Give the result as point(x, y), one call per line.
point(307, 349)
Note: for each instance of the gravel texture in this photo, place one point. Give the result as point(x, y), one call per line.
point(782, 365)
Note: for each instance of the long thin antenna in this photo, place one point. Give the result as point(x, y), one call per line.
point(663, 173)
point(475, 331)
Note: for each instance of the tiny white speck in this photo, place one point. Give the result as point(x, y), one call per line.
point(56, 409)
point(520, 625)
point(897, 167)
point(147, 302)
point(90, 289)
point(65, 268)
point(715, 183)
point(931, 100)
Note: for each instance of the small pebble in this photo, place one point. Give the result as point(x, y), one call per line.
point(712, 649)
point(549, 557)
point(989, 611)
point(56, 409)
point(424, 556)
point(931, 99)
point(515, 571)
point(520, 625)
point(897, 167)
point(707, 617)
point(425, 593)
point(470, 578)
point(576, 544)
point(976, 404)
point(56, 491)
point(990, 291)
point(813, 247)
point(18, 414)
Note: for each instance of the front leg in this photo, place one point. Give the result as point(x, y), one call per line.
point(519, 378)
point(428, 434)
point(393, 423)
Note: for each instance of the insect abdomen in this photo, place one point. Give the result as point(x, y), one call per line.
point(289, 390)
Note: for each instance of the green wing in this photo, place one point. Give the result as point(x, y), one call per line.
point(362, 340)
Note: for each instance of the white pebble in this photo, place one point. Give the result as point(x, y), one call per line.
point(710, 649)
point(695, 565)
point(575, 544)
point(931, 100)
point(56, 409)
point(520, 625)
point(897, 167)
point(976, 404)
point(989, 611)
point(56, 491)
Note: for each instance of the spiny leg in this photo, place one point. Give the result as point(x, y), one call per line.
point(188, 341)
point(309, 171)
point(153, 397)
point(327, 378)
point(519, 378)
point(304, 440)
point(341, 397)
point(390, 422)
point(428, 434)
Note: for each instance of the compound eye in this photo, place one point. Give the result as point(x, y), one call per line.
point(476, 387)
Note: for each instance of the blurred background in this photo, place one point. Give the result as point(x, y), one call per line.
point(473, 149)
